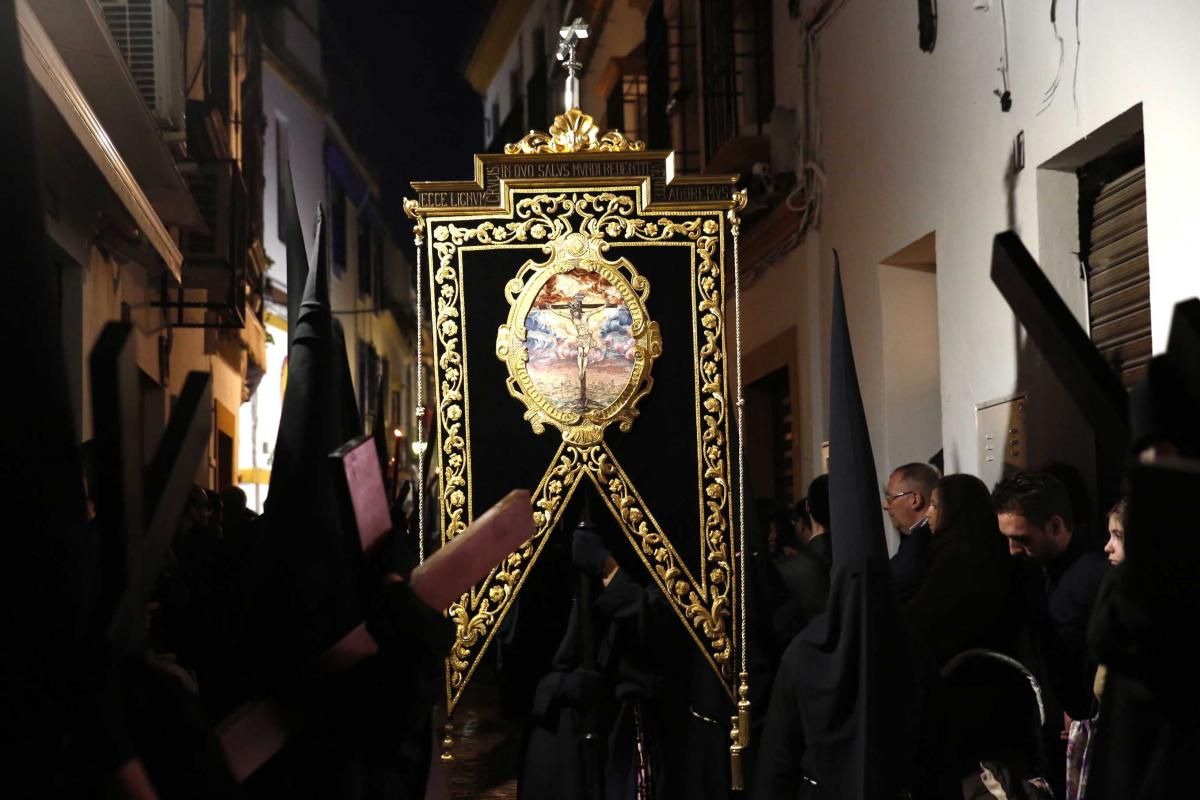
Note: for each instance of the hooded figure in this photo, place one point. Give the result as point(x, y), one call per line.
point(1147, 732)
point(312, 584)
point(1162, 412)
point(345, 401)
point(844, 719)
point(293, 238)
point(311, 599)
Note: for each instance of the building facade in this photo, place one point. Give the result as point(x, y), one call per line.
point(160, 124)
point(905, 136)
point(150, 183)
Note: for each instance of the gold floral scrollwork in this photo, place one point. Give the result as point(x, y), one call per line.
point(574, 132)
point(478, 612)
point(706, 608)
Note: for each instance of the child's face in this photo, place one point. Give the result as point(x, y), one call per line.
point(1115, 549)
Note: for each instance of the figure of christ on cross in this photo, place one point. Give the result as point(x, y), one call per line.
point(580, 316)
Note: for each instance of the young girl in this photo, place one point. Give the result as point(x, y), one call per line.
point(1115, 549)
point(1081, 732)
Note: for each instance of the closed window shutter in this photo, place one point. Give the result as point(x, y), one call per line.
point(1119, 275)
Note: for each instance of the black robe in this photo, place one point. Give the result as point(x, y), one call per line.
point(969, 599)
point(845, 719)
point(632, 687)
point(805, 577)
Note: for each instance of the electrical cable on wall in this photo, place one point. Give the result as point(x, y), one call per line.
point(1048, 95)
point(805, 199)
point(927, 18)
point(1005, 95)
point(1075, 73)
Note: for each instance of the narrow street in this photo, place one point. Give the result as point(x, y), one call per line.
point(486, 750)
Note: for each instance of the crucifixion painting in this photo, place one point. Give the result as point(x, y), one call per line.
point(579, 330)
point(580, 314)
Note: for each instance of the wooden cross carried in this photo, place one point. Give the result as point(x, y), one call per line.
point(1085, 375)
point(138, 508)
point(254, 733)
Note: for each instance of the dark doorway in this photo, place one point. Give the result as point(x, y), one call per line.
point(224, 460)
point(769, 435)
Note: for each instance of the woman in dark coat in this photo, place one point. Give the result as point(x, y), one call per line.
point(970, 606)
point(968, 598)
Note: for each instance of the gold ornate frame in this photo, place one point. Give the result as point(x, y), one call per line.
point(574, 220)
point(570, 252)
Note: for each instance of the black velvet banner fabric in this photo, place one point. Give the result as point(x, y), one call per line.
point(659, 453)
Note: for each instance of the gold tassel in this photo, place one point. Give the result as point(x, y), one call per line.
point(739, 735)
point(448, 741)
point(737, 780)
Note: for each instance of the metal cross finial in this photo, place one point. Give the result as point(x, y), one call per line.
point(569, 37)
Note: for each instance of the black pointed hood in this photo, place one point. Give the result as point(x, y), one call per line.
point(308, 597)
point(307, 428)
point(380, 433)
point(345, 401)
point(855, 683)
point(293, 238)
point(1162, 411)
point(313, 314)
point(853, 486)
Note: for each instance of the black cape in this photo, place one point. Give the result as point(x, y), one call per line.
point(844, 718)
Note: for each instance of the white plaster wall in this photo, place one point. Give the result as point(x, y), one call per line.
point(912, 391)
point(781, 298)
point(258, 420)
point(916, 142)
point(305, 126)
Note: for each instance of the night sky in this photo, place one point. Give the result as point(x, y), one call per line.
point(397, 89)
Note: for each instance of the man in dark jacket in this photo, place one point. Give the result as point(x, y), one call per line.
point(906, 500)
point(1034, 514)
point(821, 542)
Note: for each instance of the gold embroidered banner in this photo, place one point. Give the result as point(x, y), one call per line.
point(560, 278)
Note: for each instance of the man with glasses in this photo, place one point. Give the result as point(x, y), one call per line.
point(906, 500)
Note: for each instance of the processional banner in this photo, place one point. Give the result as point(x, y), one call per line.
point(580, 333)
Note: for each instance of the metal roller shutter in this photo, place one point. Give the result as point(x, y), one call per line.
point(1119, 275)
